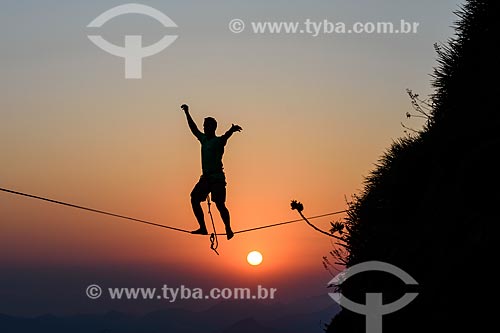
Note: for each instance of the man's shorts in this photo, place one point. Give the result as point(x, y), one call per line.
point(205, 186)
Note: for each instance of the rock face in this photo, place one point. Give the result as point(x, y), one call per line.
point(429, 207)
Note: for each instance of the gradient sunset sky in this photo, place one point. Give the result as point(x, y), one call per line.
point(316, 114)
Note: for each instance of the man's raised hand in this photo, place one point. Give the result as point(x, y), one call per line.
point(185, 107)
point(235, 128)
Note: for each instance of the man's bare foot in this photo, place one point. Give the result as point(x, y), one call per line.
point(200, 232)
point(229, 234)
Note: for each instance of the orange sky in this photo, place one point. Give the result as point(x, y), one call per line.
point(316, 114)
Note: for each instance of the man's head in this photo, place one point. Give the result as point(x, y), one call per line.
point(209, 126)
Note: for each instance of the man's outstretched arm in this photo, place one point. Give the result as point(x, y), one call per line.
point(192, 125)
point(234, 128)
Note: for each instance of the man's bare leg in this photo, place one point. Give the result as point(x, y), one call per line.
point(198, 213)
point(224, 214)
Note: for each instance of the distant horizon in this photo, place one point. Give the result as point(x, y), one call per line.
point(170, 316)
point(189, 305)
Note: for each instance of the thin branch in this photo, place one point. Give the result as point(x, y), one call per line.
point(299, 207)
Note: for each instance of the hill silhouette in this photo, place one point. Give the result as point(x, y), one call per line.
point(229, 316)
point(248, 325)
point(429, 206)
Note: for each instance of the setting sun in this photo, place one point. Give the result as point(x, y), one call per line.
point(254, 258)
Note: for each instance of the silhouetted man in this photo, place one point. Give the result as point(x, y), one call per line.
point(213, 179)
